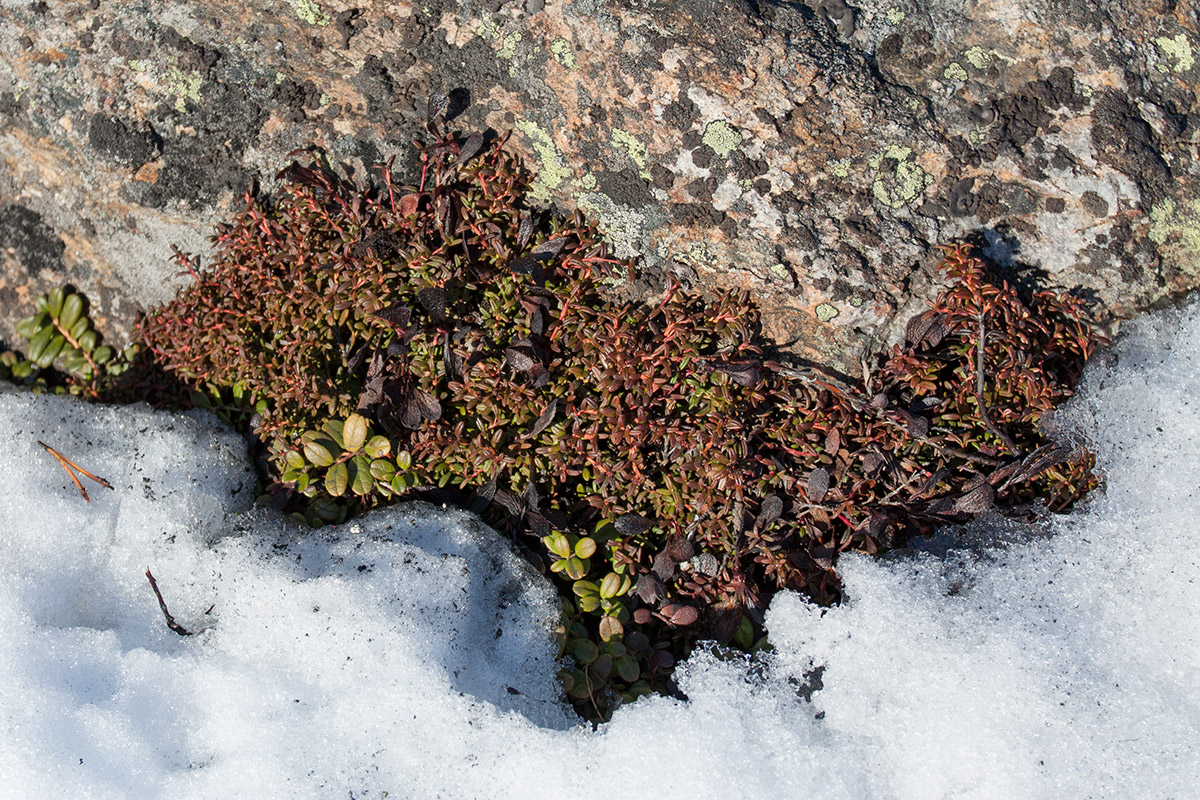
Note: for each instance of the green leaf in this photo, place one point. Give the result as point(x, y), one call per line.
point(333, 427)
point(326, 508)
point(54, 302)
point(557, 544)
point(72, 307)
point(74, 362)
point(31, 325)
point(354, 431)
point(611, 585)
point(378, 447)
point(584, 651)
point(361, 482)
point(627, 668)
point(80, 328)
point(294, 459)
point(336, 479)
point(55, 346)
point(37, 345)
point(317, 453)
point(404, 461)
point(584, 588)
point(577, 568)
point(102, 354)
point(602, 666)
point(579, 689)
point(611, 628)
point(382, 469)
point(585, 547)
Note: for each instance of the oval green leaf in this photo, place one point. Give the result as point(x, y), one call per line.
point(54, 302)
point(72, 307)
point(51, 351)
point(336, 479)
point(585, 547)
point(80, 327)
point(382, 469)
point(333, 427)
point(361, 482)
point(378, 447)
point(584, 651)
point(317, 453)
point(31, 325)
point(611, 628)
point(610, 586)
point(37, 345)
point(354, 431)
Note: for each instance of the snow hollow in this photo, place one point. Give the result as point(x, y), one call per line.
point(409, 655)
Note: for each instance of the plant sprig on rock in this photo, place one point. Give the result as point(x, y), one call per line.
point(449, 340)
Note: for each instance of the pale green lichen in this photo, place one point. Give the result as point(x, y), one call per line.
point(622, 226)
point(977, 57)
point(855, 301)
point(903, 186)
point(721, 137)
point(184, 86)
point(976, 137)
point(280, 78)
point(488, 29)
point(826, 312)
point(698, 255)
point(308, 11)
point(1169, 221)
point(508, 48)
point(588, 181)
point(954, 72)
point(1179, 50)
point(841, 168)
point(554, 169)
point(563, 53)
point(635, 149)
point(137, 65)
point(781, 271)
point(895, 16)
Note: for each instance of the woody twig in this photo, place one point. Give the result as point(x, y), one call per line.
point(71, 467)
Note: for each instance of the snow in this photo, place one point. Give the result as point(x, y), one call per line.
point(410, 654)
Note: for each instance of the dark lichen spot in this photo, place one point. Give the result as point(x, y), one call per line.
point(29, 240)
point(662, 177)
point(703, 189)
point(115, 139)
point(1056, 205)
point(1094, 204)
point(625, 188)
point(1125, 141)
point(297, 98)
point(190, 55)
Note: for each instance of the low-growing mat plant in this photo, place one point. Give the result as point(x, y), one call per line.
point(450, 341)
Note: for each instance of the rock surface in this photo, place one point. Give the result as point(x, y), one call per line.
point(814, 154)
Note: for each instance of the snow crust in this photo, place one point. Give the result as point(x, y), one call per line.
point(410, 654)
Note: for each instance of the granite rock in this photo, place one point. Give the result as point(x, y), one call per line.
point(813, 154)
